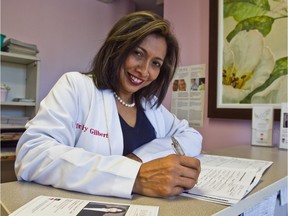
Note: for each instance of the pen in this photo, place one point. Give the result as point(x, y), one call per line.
point(177, 147)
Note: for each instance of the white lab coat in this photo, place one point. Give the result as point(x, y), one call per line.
point(75, 141)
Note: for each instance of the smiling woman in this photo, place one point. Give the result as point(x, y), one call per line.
point(105, 132)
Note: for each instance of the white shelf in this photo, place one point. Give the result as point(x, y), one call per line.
point(18, 58)
point(17, 103)
point(12, 126)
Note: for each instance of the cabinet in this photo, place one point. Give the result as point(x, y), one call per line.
point(21, 74)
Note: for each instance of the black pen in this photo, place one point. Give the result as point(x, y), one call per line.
point(177, 147)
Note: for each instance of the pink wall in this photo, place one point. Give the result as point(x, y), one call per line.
point(191, 25)
point(68, 33)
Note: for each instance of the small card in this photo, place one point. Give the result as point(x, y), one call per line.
point(262, 125)
point(284, 126)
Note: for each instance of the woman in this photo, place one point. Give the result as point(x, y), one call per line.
point(106, 132)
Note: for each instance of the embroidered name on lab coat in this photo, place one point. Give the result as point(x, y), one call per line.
point(92, 131)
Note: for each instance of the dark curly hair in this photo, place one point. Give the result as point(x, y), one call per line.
point(127, 34)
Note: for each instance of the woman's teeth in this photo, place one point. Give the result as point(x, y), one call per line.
point(135, 80)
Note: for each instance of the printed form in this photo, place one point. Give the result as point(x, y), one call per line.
point(226, 180)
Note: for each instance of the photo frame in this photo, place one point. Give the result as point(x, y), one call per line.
point(215, 93)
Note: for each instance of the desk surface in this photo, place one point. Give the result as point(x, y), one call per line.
point(16, 194)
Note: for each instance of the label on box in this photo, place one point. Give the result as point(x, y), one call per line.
point(262, 125)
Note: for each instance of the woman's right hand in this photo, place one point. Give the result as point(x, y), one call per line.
point(167, 176)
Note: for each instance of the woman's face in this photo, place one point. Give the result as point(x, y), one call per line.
point(182, 85)
point(142, 65)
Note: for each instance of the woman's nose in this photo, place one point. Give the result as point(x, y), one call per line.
point(143, 68)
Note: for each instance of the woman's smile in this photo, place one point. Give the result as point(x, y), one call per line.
point(142, 65)
point(134, 80)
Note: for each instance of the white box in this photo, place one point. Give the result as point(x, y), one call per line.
point(262, 125)
point(284, 126)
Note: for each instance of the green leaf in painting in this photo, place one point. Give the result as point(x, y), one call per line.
point(263, 24)
point(280, 69)
point(244, 9)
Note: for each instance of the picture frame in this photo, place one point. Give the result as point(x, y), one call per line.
point(216, 109)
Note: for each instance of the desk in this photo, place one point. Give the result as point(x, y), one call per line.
point(16, 194)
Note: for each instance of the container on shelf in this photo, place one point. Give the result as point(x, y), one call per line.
point(2, 39)
point(4, 93)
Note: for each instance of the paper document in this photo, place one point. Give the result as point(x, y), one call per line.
point(57, 206)
point(226, 180)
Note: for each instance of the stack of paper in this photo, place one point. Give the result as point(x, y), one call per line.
point(226, 180)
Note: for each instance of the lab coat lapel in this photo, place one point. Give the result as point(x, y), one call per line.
point(113, 123)
point(155, 117)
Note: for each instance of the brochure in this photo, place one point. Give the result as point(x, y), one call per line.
point(58, 206)
point(262, 125)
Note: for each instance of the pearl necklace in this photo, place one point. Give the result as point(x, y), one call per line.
point(123, 102)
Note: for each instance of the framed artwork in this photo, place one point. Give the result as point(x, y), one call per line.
point(247, 57)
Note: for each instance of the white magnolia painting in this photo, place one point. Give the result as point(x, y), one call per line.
point(254, 61)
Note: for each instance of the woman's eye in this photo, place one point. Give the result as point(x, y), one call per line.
point(138, 53)
point(157, 64)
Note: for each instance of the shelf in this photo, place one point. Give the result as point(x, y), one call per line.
point(12, 126)
point(10, 136)
point(11, 103)
point(8, 154)
point(18, 58)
